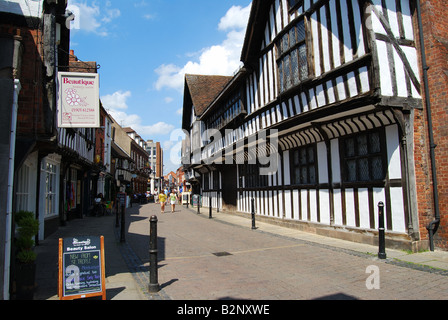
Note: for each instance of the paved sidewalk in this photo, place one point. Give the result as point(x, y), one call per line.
point(436, 261)
point(120, 283)
point(186, 262)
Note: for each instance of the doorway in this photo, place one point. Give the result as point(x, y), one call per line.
point(229, 187)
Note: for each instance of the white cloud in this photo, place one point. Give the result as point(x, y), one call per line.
point(124, 119)
point(169, 76)
point(235, 18)
point(111, 14)
point(221, 59)
point(117, 100)
point(168, 100)
point(160, 128)
point(91, 18)
point(116, 104)
point(148, 16)
point(172, 150)
point(135, 121)
point(139, 4)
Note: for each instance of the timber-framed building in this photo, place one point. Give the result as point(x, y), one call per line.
point(330, 101)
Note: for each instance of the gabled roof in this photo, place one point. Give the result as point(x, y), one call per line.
point(200, 91)
point(204, 89)
point(255, 29)
point(129, 130)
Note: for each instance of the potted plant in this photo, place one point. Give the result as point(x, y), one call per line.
point(28, 227)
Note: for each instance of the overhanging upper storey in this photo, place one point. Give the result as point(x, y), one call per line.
point(309, 61)
point(311, 54)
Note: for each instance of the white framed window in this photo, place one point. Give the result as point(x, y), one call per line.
point(23, 189)
point(49, 188)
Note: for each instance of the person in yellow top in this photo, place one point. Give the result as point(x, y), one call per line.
point(162, 201)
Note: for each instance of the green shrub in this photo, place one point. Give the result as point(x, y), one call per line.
point(26, 256)
point(28, 228)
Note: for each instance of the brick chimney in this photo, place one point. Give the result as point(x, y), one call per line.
point(73, 58)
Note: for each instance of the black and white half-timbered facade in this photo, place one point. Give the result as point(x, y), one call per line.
point(316, 127)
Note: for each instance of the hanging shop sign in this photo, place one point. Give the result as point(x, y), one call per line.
point(81, 268)
point(78, 100)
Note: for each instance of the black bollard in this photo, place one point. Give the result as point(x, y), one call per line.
point(199, 210)
point(117, 213)
point(123, 225)
point(381, 232)
point(153, 269)
point(210, 208)
point(253, 214)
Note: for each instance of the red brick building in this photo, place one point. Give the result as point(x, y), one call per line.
point(433, 182)
point(170, 180)
point(34, 45)
point(180, 174)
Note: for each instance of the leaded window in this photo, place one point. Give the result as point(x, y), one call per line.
point(227, 112)
point(363, 157)
point(304, 166)
point(292, 57)
point(250, 176)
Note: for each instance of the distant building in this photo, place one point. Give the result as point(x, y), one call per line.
point(180, 175)
point(121, 160)
point(140, 167)
point(155, 153)
point(159, 163)
point(170, 180)
point(103, 152)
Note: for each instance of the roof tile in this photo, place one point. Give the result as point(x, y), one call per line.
point(204, 89)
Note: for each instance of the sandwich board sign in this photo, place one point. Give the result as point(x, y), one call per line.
point(81, 268)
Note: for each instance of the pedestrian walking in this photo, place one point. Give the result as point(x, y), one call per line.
point(173, 199)
point(162, 201)
point(156, 196)
point(99, 205)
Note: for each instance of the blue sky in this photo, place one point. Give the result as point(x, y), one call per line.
point(145, 47)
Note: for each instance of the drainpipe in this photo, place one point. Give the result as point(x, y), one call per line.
point(433, 225)
point(12, 151)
